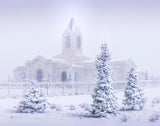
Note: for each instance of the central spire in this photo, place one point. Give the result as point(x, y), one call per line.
point(72, 24)
point(72, 39)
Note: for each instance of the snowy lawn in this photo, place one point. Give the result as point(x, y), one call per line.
point(70, 111)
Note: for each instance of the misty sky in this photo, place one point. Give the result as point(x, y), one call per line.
point(29, 28)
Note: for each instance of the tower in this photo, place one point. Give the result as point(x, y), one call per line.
point(72, 43)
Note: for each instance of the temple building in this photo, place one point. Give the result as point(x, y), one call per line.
point(70, 65)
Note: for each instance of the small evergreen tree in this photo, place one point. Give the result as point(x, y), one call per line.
point(104, 100)
point(133, 94)
point(33, 102)
point(69, 79)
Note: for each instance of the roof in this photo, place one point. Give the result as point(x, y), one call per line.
point(72, 24)
point(72, 28)
point(41, 58)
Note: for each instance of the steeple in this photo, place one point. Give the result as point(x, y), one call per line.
point(72, 39)
point(72, 24)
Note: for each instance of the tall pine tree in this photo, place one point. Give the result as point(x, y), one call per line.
point(104, 100)
point(133, 94)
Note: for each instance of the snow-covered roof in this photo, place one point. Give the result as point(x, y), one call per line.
point(74, 65)
point(142, 68)
point(126, 60)
point(88, 61)
point(72, 28)
point(41, 58)
point(72, 25)
point(59, 60)
point(20, 67)
point(120, 59)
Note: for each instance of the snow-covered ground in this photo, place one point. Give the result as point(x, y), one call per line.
point(71, 111)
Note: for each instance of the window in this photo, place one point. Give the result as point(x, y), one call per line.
point(22, 76)
point(39, 75)
point(64, 76)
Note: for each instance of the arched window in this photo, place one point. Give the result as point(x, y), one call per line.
point(39, 75)
point(64, 76)
point(22, 76)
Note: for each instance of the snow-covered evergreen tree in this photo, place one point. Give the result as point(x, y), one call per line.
point(104, 100)
point(69, 79)
point(134, 97)
point(33, 102)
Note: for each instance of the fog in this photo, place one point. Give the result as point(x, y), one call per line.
point(29, 28)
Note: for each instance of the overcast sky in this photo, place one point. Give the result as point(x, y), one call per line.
point(29, 28)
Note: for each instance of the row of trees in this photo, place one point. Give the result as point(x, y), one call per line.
point(104, 99)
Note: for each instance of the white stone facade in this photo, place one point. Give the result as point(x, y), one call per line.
point(70, 65)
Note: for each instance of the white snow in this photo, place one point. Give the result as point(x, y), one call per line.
point(70, 111)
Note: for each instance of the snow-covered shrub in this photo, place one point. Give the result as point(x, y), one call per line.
point(58, 108)
point(33, 102)
point(154, 117)
point(104, 100)
point(53, 106)
point(155, 101)
point(12, 116)
point(85, 106)
point(124, 118)
point(72, 107)
point(70, 94)
point(134, 97)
